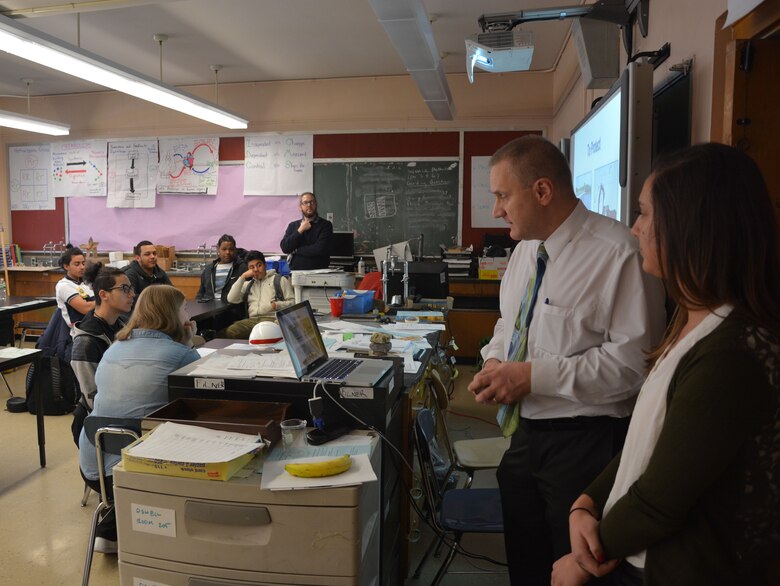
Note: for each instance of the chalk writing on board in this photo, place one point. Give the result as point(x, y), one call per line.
point(385, 202)
point(279, 164)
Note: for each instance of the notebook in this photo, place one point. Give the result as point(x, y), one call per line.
point(310, 358)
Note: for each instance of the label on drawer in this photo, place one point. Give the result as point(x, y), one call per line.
point(154, 520)
point(356, 393)
point(210, 383)
point(144, 582)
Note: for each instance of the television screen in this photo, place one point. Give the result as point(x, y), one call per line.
point(596, 158)
point(610, 149)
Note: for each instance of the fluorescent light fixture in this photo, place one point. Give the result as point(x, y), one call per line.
point(22, 122)
point(409, 29)
point(48, 51)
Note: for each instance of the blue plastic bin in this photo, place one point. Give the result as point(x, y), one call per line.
point(281, 266)
point(362, 303)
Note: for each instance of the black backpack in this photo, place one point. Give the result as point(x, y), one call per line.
point(57, 382)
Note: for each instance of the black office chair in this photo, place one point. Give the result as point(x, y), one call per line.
point(455, 510)
point(109, 435)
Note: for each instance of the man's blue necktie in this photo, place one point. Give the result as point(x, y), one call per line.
point(509, 415)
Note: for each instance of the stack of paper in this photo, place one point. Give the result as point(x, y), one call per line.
point(172, 449)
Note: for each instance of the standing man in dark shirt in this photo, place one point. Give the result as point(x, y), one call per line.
point(308, 240)
point(143, 271)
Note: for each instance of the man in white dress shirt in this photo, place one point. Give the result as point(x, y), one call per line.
point(595, 316)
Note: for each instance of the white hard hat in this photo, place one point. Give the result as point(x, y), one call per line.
point(265, 332)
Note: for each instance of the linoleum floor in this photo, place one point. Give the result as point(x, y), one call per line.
point(43, 528)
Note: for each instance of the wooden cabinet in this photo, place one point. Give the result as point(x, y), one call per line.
point(474, 314)
point(468, 327)
point(34, 283)
point(187, 284)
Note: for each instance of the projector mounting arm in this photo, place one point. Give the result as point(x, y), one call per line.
point(613, 11)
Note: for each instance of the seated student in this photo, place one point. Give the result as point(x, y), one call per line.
point(218, 277)
point(143, 271)
point(132, 378)
point(264, 293)
point(693, 497)
point(74, 297)
point(93, 335)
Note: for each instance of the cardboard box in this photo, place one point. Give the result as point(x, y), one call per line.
point(492, 268)
point(250, 417)
point(211, 471)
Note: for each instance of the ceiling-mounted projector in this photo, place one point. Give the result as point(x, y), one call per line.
point(499, 51)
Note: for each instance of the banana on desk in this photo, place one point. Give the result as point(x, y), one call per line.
point(318, 469)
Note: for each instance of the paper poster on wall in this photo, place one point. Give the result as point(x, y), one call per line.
point(278, 164)
point(187, 221)
point(78, 169)
point(189, 165)
point(28, 168)
point(132, 173)
point(481, 198)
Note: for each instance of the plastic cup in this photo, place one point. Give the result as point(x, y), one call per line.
point(336, 306)
point(292, 431)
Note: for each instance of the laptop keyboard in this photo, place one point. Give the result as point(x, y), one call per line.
point(337, 368)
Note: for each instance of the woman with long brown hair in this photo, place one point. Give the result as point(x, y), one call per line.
point(694, 497)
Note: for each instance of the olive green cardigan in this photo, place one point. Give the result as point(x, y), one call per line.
point(687, 508)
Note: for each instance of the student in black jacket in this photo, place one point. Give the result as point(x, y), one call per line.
point(93, 335)
point(143, 271)
point(218, 277)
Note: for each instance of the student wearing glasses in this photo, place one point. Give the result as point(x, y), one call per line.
point(308, 240)
point(93, 335)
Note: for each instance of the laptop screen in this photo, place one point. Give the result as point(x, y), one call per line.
point(302, 337)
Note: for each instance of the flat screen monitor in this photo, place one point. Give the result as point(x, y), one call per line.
point(343, 245)
point(426, 279)
point(610, 149)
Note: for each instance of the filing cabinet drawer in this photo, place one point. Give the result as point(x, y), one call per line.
point(139, 570)
point(243, 536)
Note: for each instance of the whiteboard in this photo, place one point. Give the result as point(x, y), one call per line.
point(481, 198)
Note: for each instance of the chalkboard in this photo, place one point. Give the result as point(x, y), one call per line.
point(386, 202)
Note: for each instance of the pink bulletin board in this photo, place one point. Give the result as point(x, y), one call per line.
point(186, 221)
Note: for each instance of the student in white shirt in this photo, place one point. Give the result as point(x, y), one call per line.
point(596, 314)
point(74, 296)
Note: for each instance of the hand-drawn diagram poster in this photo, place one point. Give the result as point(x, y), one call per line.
point(78, 169)
point(29, 177)
point(278, 164)
point(132, 174)
point(188, 165)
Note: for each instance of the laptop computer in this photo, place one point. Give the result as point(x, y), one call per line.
point(310, 358)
